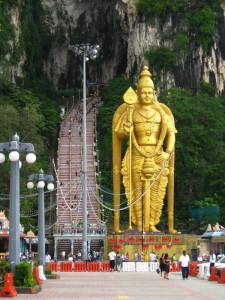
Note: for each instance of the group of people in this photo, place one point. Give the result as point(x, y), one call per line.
point(26, 255)
point(116, 260)
point(138, 256)
point(165, 261)
point(91, 257)
point(95, 255)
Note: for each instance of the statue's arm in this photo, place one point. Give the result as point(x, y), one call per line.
point(170, 142)
point(170, 137)
point(171, 130)
point(123, 127)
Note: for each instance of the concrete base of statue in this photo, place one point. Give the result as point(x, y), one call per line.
point(136, 232)
point(131, 231)
point(133, 241)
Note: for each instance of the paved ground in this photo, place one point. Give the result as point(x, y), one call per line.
point(127, 285)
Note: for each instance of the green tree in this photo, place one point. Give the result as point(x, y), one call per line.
point(25, 123)
point(161, 60)
point(160, 9)
point(207, 88)
point(181, 46)
point(36, 38)
point(6, 29)
point(26, 113)
point(202, 24)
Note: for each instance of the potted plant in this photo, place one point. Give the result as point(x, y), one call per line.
point(23, 279)
point(50, 275)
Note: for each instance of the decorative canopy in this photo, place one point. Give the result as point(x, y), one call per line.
point(210, 234)
point(30, 234)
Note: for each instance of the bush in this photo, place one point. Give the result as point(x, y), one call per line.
point(4, 268)
point(202, 22)
point(161, 59)
point(23, 275)
point(48, 271)
point(207, 88)
point(181, 45)
point(151, 8)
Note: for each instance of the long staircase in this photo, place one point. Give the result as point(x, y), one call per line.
point(69, 177)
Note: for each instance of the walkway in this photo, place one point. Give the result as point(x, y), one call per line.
point(127, 285)
point(70, 180)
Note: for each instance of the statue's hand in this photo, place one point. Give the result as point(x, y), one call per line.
point(162, 157)
point(165, 155)
point(128, 127)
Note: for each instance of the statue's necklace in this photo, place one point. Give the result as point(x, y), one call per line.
point(147, 114)
point(148, 119)
point(149, 126)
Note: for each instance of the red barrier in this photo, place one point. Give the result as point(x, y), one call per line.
point(66, 266)
point(52, 266)
point(173, 266)
point(221, 279)
point(36, 276)
point(178, 266)
point(213, 276)
point(105, 266)
point(193, 268)
point(80, 267)
point(8, 289)
point(93, 267)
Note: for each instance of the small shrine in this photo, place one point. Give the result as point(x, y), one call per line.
point(4, 234)
point(215, 235)
point(4, 222)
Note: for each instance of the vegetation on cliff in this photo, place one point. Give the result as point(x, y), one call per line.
point(193, 24)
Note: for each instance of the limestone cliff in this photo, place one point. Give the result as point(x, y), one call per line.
point(124, 37)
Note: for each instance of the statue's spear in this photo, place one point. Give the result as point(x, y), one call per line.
point(130, 97)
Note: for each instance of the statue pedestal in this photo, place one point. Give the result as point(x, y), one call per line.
point(133, 241)
point(136, 232)
point(131, 231)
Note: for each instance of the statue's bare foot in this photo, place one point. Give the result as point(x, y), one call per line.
point(118, 231)
point(152, 228)
point(172, 231)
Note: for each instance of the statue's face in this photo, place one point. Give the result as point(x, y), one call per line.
point(147, 96)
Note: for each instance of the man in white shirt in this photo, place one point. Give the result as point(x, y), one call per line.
point(47, 257)
point(184, 260)
point(212, 260)
point(112, 257)
point(152, 257)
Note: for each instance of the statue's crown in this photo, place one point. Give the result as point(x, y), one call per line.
point(145, 79)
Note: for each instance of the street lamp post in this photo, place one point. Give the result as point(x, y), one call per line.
point(14, 148)
point(41, 179)
point(88, 51)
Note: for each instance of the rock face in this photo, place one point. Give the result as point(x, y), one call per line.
point(124, 37)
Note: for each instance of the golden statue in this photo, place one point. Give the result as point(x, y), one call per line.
point(148, 165)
